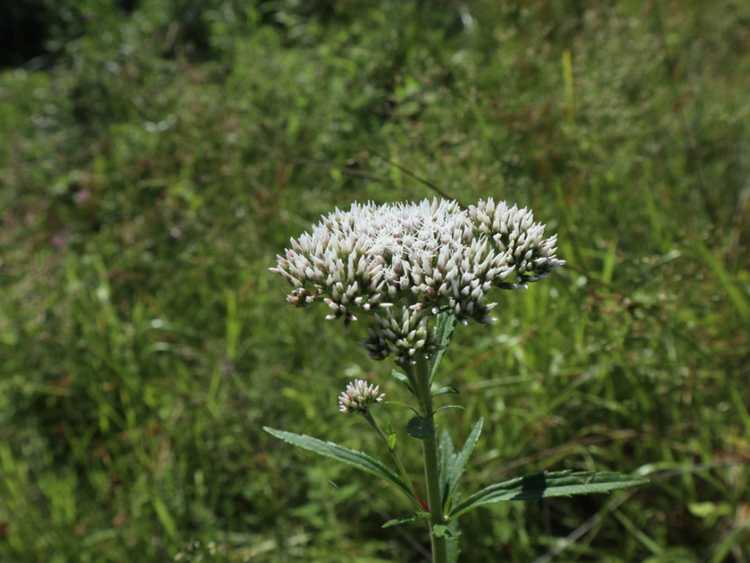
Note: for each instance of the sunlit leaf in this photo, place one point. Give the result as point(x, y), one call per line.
point(453, 464)
point(345, 455)
point(547, 485)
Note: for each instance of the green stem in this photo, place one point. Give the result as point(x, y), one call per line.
point(394, 455)
point(431, 471)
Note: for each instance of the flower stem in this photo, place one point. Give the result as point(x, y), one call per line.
point(431, 471)
point(394, 455)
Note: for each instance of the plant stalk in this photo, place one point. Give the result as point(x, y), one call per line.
point(431, 467)
point(394, 455)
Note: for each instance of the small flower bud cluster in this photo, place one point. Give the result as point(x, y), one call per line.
point(406, 262)
point(513, 230)
point(402, 334)
point(358, 396)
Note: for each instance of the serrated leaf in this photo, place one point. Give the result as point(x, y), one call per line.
point(446, 452)
point(547, 485)
point(442, 336)
point(460, 459)
point(345, 455)
point(452, 464)
point(419, 427)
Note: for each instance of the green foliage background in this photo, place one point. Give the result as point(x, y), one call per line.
point(155, 155)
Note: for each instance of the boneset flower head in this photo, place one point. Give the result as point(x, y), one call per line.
point(401, 264)
point(358, 396)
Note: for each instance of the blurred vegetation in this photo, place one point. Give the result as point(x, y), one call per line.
point(155, 156)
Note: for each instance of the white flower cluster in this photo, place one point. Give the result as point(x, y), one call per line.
point(358, 396)
point(513, 231)
point(405, 262)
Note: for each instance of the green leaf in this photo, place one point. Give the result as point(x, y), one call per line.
point(445, 531)
point(334, 451)
point(419, 427)
point(438, 390)
point(407, 519)
point(442, 336)
point(446, 452)
point(440, 531)
point(165, 518)
point(446, 407)
point(453, 542)
point(453, 464)
point(546, 485)
point(460, 459)
point(403, 379)
point(392, 439)
point(399, 521)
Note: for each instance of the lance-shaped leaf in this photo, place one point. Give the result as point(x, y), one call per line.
point(446, 452)
point(460, 459)
point(452, 464)
point(407, 519)
point(345, 455)
point(399, 521)
point(546, 485)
